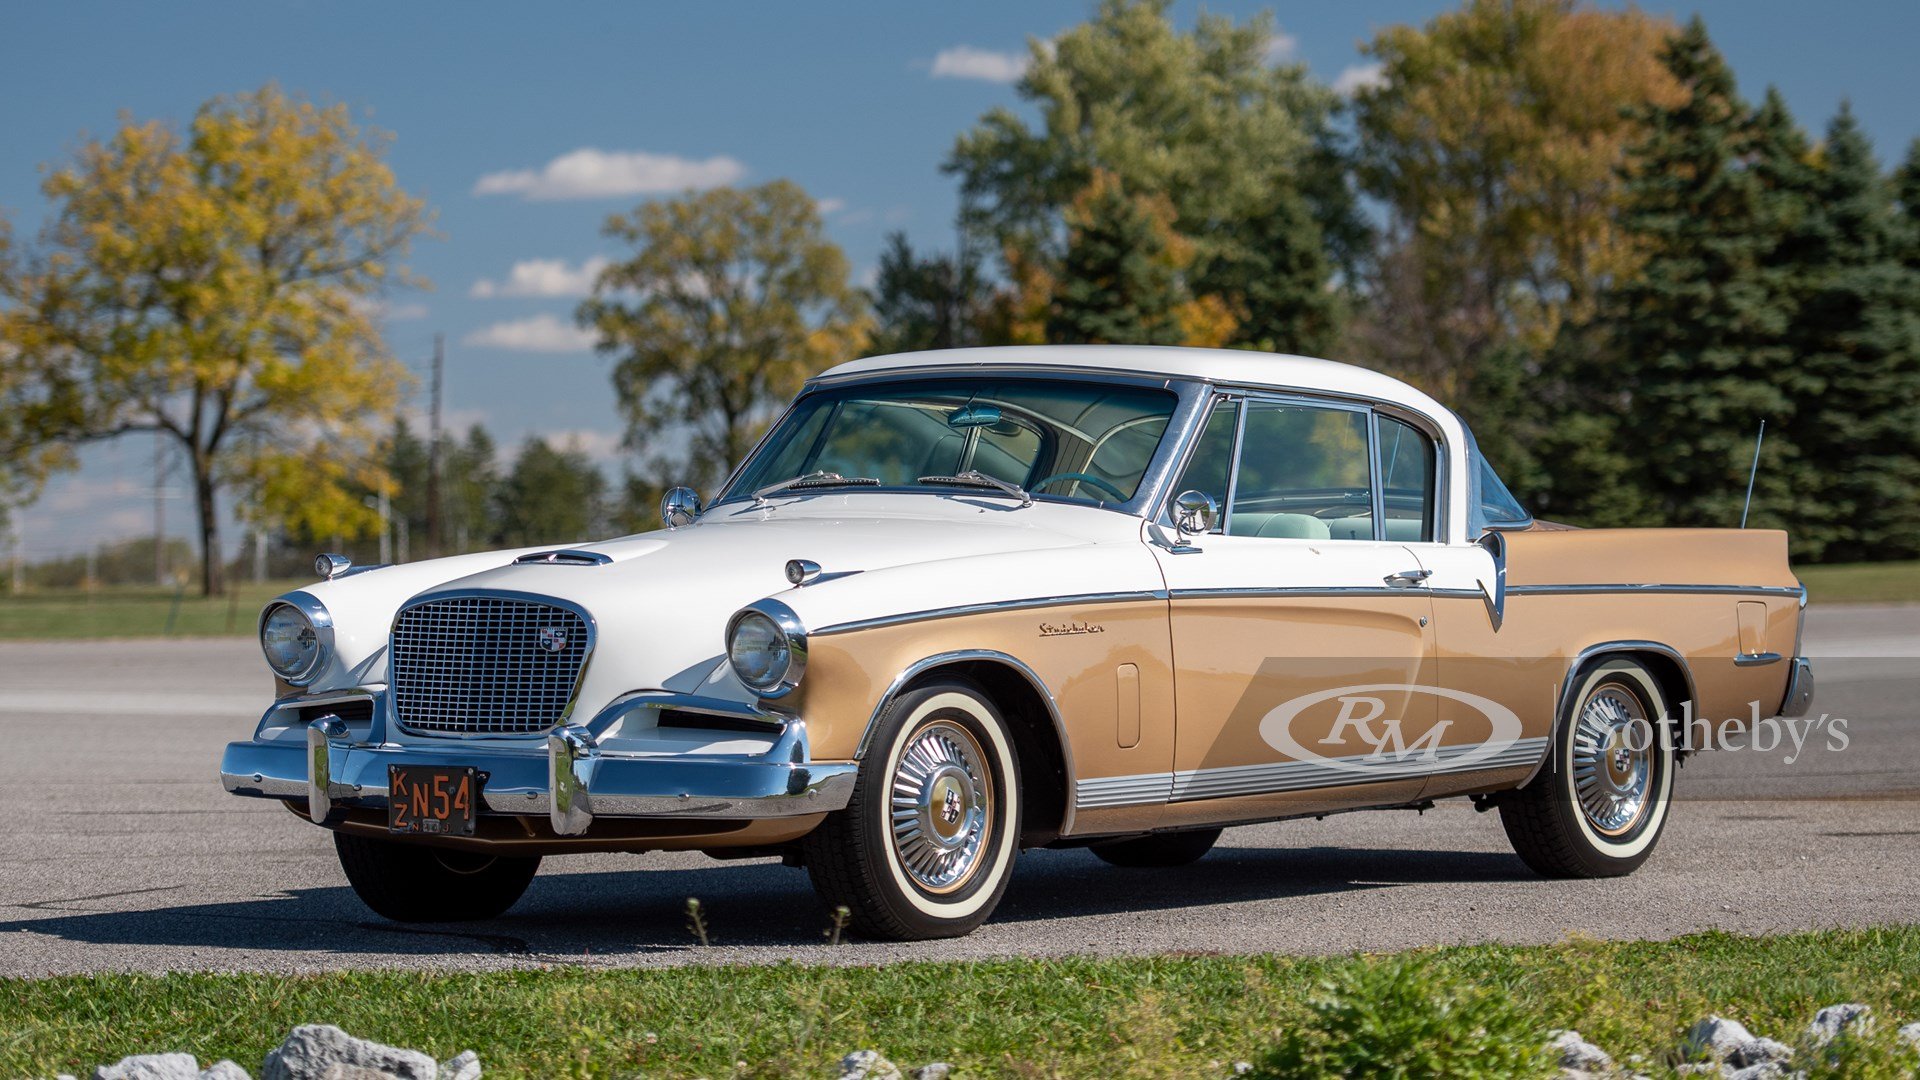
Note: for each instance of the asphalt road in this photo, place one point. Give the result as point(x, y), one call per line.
point(121, 853)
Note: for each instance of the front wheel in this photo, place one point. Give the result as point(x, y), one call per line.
point(926, 846)
point(413, 883)
point(1597, 808)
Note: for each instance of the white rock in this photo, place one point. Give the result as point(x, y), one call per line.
point(932, 1070)
point(224, 1070)
point(1829, 1022)
point(1577, 1053)
point(1766, 1070)
point(1910, 1035)
point(866, 1065)
point(1761, 1051)
point(324, 1052)
point(464, 1066)
point(151, 1067)
point(1717, 1037)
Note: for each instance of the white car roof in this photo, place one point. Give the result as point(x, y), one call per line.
point(1237, 367)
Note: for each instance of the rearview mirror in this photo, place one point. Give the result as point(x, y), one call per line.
point(1194, 513)
point(679, 506)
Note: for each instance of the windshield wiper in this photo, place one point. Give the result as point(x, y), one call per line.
point(976, 478)
point(823, 478)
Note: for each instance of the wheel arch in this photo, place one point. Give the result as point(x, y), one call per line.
point(1045, 756)
point(1664, 662)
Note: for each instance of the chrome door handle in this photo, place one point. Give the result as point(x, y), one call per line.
point(1406, 578)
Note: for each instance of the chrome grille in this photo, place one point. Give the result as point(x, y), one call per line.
point(485, 665)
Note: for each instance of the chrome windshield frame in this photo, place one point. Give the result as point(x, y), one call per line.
point(1191, 397)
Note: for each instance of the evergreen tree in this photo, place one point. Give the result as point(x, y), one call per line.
point(1121, 277)
point(924, 303)
point(1274, 276)
point(1698, 337)
point(1857, 337)
point(1906, 189)
point(551, 496)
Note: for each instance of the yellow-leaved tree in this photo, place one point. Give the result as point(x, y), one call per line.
point(219, 286)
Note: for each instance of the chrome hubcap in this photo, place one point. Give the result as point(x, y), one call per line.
point(1613, 761)
point(942, 807)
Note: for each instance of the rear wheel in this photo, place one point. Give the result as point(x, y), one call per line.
point(1597, 808)
point(926, 846)
point(1158, 850)
point(413, 883)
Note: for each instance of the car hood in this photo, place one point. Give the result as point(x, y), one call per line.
point(661, 602)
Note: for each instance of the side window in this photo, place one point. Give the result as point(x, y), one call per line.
point(1212, 460)
point(1406, 480)
point(1304, 474)
point(1498, 508)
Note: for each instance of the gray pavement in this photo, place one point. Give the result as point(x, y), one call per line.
point(121, 853)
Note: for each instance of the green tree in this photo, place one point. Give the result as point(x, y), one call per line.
point(1241, 149)
point(470, 477)
point(1699, 336)
point(1121, 277)
point(550, 496)
point(217, 286)
point(1856, 343)
point(1493, 140)
point(931, 302)
point(729, 301)
point(1906, 187)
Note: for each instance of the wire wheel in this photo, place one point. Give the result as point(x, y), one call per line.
point(941, 802)
point(1613, 760)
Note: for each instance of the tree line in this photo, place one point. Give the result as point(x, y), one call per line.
point(1567, 223)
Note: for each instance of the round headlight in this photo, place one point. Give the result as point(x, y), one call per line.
point(291, 642)
point(767, 648)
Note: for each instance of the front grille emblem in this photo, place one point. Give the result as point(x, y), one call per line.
point(552, 638)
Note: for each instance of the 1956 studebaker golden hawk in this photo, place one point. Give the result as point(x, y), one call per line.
point(958, 604)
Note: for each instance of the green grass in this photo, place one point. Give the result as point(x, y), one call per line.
point(133, 611)
point(1862, 583)
point(1153, 1016)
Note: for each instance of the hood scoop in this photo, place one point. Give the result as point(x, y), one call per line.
point(564, 557)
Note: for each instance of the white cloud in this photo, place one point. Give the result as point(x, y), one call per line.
point(967, 62)
point(539, 333)
point(1359, 77)
point(830, 207)
point(588, 173)
point(542, 277)
point(1281, 47)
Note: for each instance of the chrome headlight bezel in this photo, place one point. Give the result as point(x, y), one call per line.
point(318, 619)
point(793, 633)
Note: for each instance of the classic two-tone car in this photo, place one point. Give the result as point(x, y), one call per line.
point(959, 604)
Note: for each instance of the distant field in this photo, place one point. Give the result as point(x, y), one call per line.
point(1862, 583)
point(133, 611)
point(144, 611)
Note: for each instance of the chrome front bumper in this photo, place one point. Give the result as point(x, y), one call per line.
point(569, 778)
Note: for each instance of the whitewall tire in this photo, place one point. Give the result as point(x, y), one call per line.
point(1600, 803)
point(926, 847)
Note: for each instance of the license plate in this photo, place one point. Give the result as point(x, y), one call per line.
point(434, 800)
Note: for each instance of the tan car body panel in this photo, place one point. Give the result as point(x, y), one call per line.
point(1679, 589)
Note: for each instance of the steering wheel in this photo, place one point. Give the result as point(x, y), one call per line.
point(1085, 478)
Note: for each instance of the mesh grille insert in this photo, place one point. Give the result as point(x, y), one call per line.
point(485, 665)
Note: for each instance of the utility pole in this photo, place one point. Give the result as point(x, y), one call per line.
point(433, 451)
point(159, 508)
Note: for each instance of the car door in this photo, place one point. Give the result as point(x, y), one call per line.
point(1302, 637)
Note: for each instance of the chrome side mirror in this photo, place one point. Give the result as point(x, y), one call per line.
point(1194, 513)
point(679, 506)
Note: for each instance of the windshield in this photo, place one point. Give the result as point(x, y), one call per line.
point(1056, 438)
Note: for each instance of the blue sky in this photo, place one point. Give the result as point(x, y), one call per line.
point(526, 125)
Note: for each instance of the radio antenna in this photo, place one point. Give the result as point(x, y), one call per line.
point(1753, 473)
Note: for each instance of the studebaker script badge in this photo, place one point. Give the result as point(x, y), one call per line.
point(1052, 630)
point(552, 638)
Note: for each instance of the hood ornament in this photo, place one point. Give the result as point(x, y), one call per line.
point(802, 571)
